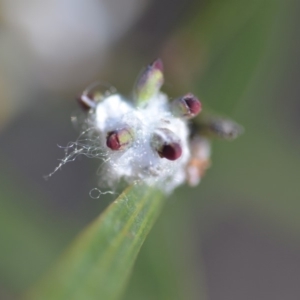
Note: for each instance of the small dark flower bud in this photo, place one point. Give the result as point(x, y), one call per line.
point(171, 151)
point(187, 106)
point(119, 139)
point(167, 144)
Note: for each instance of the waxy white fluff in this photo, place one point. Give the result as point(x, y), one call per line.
point(140, 162)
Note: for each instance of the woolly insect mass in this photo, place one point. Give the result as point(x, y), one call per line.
point(144, 139)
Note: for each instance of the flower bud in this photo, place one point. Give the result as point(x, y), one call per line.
point(214, 126)
point(187, 106)
point(199, 160)
point(86, 101)
point(149, 82)
point(167, 144)
point(119, 139)
point(93, 94)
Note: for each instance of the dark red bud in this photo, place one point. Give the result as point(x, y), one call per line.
point(119, 139)
point(112, 141)
point(171, 151)
point(193, 104)
point(186, 107)
point(166, 143)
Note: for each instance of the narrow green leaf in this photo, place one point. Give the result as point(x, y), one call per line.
point(234, 35)
point(98, 264)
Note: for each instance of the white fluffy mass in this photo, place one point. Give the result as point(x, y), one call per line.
point(139, 162)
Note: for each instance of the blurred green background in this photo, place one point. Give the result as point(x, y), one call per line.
point(235, 236)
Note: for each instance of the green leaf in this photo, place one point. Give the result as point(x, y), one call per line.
point(98, 264)
point(236, 35)
point(29, 240)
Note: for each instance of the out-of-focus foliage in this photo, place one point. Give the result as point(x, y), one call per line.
point(241, 58)
point(98, 264)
